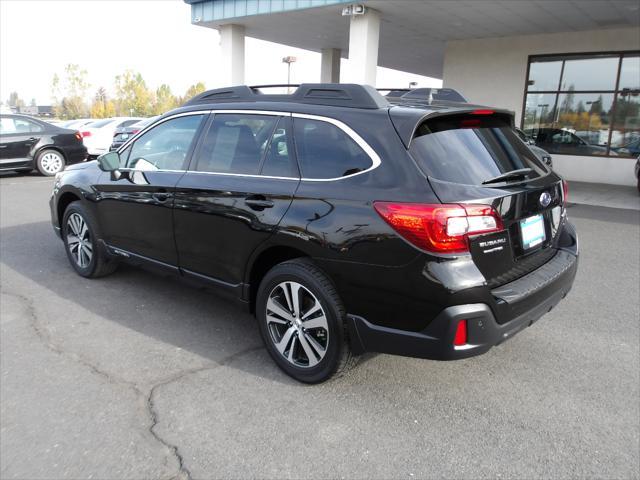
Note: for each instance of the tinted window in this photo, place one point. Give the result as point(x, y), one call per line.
point(235, 143)
point(278, 161)
point(166, 145)
point(325, 151)
point(126, 123)
point(470, 149)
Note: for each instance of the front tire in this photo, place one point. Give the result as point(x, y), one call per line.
point(80, 236)
point(301, 319)
point(50, 162)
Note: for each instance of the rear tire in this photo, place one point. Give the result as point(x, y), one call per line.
point(80, 234)
point(49, 162)
point(305, 337)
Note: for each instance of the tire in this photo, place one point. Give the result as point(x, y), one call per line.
point(86, 255)
point(311, 349)
point(49, 162)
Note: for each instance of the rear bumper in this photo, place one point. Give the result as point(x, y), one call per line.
point(520, 304)
point(75, 154)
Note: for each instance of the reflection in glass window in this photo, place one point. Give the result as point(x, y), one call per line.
point(544, 75)
point(166, 145)
point(595, 109)
point(630, 73)
point(625, 134)
point(590, 74)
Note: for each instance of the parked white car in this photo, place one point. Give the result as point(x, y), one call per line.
point(78, 123)
point(98, 136)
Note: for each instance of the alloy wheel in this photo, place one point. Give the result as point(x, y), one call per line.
point(297, 324)
point(79, 240)
point(51, 162)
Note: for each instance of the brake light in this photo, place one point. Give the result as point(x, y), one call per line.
point(483, 112)
point(460, 337)
point(439, 228)
point(565, 191)
point(85, 134)
point(134, 132)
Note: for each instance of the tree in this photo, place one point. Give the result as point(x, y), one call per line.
point(70, 92)
point(133, 97)
point(102, 107)
point(192, 91)
point(165, 100)
point(15, 100)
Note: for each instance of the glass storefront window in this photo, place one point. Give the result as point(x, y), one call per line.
point(584, 105)
point(590, 74)
point(630, 73)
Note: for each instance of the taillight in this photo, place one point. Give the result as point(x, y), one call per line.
point(134, 132)
point(440, 228)
point(460, 337)
point(565, 191)
point(78, 136)
point(85, 134)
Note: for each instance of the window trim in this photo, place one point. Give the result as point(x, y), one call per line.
point(371, 153)
point(620, 54)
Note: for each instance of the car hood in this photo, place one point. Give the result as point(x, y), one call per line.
point(81, 166)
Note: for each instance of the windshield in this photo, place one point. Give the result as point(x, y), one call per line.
point(471, 149)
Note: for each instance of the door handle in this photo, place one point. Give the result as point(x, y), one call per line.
point(161, 196)
point(258, 202)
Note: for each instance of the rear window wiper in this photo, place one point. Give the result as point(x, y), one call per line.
point(521, 172)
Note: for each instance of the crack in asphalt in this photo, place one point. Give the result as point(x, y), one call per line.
point(45, 337)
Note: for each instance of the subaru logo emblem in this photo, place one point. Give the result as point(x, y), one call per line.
point(545, 199)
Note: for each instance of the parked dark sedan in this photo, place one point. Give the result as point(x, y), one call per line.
point(122, 134)
point(27, 143)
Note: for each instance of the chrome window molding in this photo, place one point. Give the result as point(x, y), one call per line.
point(371, 153)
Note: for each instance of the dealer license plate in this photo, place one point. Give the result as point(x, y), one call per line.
point(532, 229)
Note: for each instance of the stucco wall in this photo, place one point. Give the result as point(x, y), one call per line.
point(492, 71)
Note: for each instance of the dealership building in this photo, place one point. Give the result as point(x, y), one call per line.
point(569, 69)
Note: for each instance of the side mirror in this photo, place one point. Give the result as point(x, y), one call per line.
point(109, 162)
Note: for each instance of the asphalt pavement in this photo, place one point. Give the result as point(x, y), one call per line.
point(141, 376)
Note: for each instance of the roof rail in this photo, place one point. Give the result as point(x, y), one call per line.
point(334, 94)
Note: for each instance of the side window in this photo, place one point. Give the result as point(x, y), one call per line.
point(325, 151)
point(166, 145)
point(7, 126)
point(278, 161)
point(26, 126)
point(235, 143)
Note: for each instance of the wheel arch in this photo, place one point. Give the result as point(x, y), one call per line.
point(41, 148)
point(264, 261)
point(64, 200)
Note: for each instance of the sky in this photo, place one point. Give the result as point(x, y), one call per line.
point(153, 37)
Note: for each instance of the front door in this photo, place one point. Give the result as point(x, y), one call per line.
point(135, 210)
point(239, 186)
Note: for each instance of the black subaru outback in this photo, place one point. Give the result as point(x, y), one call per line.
point(345, 223)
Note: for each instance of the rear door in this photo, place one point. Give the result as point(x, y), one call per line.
point(462, 155)
point(239, 185)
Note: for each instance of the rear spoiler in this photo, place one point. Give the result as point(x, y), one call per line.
point(406, 120)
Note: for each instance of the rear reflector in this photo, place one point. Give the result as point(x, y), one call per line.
point(461, 334)
point(439, 228)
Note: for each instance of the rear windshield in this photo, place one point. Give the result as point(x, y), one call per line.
point(471, 149)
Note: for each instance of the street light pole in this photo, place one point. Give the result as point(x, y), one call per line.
point(289, 60)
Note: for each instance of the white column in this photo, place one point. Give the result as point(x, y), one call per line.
point(232, 43)
point(364, 37)
point(330, 65)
